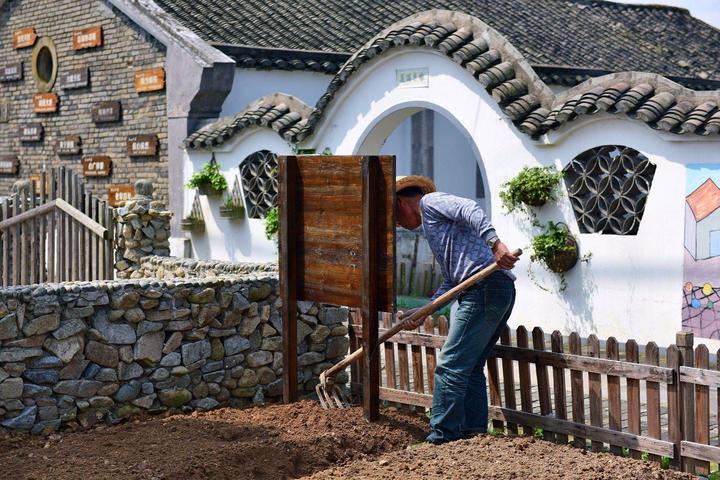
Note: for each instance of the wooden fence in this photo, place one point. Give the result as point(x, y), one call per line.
point(598, 395)
point(416, 271)
point(52, 230)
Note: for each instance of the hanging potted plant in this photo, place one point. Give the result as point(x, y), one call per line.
point(192, 224)
point(556, 247)
point(533, 186)
point(232, 208)
point(209, 180)
point(272, 224)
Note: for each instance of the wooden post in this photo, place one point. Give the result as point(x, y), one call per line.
point(577, 389)
point(371, 175)
point(287, 210)
point(614, 400)
point(556, 344)
point(684, 341)
point(702, 409)
point(632, 354)
point(674, 407)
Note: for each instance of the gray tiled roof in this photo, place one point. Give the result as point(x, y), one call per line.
point(505, 74)
point(577, 33)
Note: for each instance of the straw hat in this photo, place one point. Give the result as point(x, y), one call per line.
point(424, 183)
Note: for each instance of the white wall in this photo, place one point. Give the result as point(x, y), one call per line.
point(249, 85)
point(225, 238)
point(631, 288)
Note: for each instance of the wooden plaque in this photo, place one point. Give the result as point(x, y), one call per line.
point(150, 80)
point(87, 37)
point(97, 166)
point(120, 193)
point(11, 72)
point(328, 224)
point(25, 37)
point(69, 145)
point(45, 102)
point(75, 78)
point(9, 165)
point(142, 145)
point(32, 132)
point(4, 111)
point(105, 112)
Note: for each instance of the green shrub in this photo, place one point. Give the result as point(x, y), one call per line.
point(532, 186)
point(208, 176)
point(554, 240)
point(272, 224)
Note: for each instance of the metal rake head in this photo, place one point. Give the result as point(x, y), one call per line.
point(331, 395)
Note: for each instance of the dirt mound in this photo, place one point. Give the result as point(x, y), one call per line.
point(278, 441)
point(498, 458)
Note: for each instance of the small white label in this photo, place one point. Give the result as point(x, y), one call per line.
point(413, 78)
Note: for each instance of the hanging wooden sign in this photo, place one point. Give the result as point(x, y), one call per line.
point(45, 102)
point(97, 166)
point(4, 111)
point(25, 37)
point(105, 112)
point(87, 37)
point(150, 80)
point(75, 78)
point(9, 165)
point(69, 145)
point(32, 132)
point(120, 193)
point(142, 145)
point(11, 72)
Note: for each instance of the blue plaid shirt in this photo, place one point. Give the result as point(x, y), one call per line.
point(457, 230)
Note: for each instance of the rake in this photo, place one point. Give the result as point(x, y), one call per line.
point(332, 396)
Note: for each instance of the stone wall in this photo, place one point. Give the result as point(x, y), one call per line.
point(89, 352)
point(166, 267)
point(126, 50)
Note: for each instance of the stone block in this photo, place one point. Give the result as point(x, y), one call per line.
point(175, 398)
point(127, 371)
point(148, 348)
point(68, 328)
point(77, 388)
point(258, 359)
point(11, 388)
point(337, 346)
point(8, 327)
point(105, 355)
point(235, 344)
point(67, 348)
point(310, 358)
point(115, 333)
point(192, 352)
point(42, 324)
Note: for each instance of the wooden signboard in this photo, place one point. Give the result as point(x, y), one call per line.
point(120, 193)
point(150, 80)
point(45, 102)
point(105, 112)
point(11, 72)
point(4, 111)
point(97, 166)
point(9, 165)
point(75, 78)
point(142, 145)
point(337, 245)
point(25, 37)
point(87, 37)
point(69, 145)
point(32, 132)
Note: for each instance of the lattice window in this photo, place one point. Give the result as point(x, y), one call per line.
point(258, 173)
point(608, 187)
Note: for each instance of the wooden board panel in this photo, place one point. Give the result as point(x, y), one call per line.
point(87, 37)
point(11, 72)
point(329, 203)
point(150, 80)
point(142, 145)
point(45, 102)
point(120, 193)
point(106, 112)
point(68, 145)
point(31, 132)
point(25, 37)
point(9, 164)
point(97, 166)
point(75, 78)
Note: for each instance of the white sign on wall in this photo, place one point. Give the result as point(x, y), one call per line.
point(413, 77)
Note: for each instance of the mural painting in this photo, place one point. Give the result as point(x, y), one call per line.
point(701, 290)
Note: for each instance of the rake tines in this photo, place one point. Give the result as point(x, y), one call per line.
point(331, 395)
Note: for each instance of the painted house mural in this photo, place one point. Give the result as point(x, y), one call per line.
point(701, 292)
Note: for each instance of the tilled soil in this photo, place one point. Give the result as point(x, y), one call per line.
point(292, 441)
point(278, 441)
point(486, 457)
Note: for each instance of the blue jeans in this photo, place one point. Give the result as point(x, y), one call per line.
point(460, 403)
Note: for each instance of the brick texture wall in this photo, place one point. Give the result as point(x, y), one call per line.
point(126, 49)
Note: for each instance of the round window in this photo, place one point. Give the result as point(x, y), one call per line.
point(44, 64)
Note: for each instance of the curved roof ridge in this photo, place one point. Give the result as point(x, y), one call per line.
point(512, 82)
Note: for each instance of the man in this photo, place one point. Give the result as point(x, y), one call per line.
point(463, 242)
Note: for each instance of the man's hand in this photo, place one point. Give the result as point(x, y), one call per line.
point(503, 257)
point(410, 325)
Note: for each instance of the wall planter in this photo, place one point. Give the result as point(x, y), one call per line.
point(233, 206)
point(190, 224)
point(557, 249)
point(533, 186)
point(232, 211)
point(209, 180)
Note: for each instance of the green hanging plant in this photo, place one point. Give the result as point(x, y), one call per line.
point(557, 249)
point(533, 186)
point(209, 180)
point(272, 224)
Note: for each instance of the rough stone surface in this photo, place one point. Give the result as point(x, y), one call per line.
point(8, 327)
point(192, 352)
point(102, 354)
point(148, 348)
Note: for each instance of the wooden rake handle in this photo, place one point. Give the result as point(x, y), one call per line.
point(422, 312)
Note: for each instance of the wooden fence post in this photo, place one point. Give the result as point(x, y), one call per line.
point(674, 407)
point(684, 341)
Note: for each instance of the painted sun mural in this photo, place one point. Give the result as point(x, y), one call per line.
point(701, 290)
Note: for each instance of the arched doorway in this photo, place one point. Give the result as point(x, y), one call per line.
point(426, 141)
